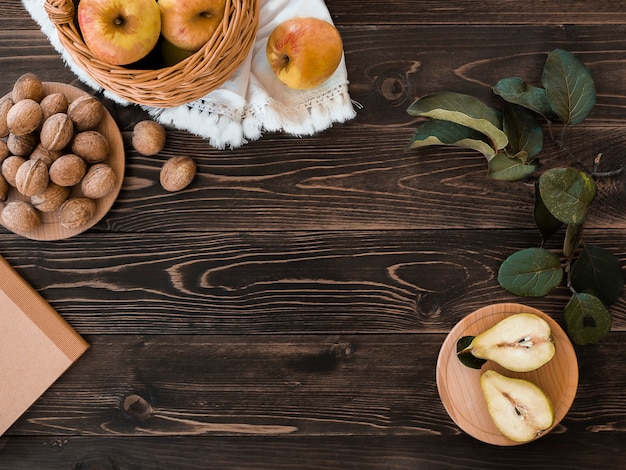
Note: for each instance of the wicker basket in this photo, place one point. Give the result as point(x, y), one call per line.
point(172, 86)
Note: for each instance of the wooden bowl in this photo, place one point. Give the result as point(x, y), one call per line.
point(459, 385)
point(50, 228)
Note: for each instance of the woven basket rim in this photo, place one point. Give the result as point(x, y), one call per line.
point(181, 83)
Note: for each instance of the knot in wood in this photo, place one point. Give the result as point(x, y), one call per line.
point(137, 407)
point(392, 86)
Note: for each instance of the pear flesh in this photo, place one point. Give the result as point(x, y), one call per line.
point(520, 410)
point(521, 342)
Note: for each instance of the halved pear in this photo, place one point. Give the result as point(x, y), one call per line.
point(520, 409)
point(521, 342)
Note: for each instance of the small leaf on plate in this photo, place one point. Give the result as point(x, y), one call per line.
point(567, 193)
point(597, 271)
point(524, 132)
point(503, 167)
point(438, 132)
point(462, 109)
point(547, 224)
point(532, 272)
point(466, 357)
point(517, 91)
point(569, 87)
point(587, 320)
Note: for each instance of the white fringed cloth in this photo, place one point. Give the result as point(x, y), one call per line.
point(251, 102)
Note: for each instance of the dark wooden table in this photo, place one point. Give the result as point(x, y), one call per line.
point(286, 310)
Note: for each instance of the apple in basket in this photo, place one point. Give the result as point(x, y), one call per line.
point(171, 54)
point(304, 52)
point(189, 24)
point(119, 32)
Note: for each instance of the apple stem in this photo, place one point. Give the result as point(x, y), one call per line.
point(119, 21)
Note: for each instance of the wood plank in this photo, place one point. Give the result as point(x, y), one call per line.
point(268, 282)
point(285, 386)
point(350, 178)
point(559, 452)
point(475, 12)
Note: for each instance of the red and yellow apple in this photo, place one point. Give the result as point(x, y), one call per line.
point(119, 32)
point(189, 24)
point(304, 52)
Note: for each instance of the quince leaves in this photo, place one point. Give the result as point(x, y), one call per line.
point(511, 141)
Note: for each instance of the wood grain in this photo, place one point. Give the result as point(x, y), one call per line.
point(286, 385)
point(484, 13)
point(263, 282)
point(287, 309)
point(558, 451)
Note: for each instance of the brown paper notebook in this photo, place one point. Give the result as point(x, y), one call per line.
point(36, 345)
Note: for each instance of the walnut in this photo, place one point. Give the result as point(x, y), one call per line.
point(22, 145)
point(53, 103)
point(57, 132)
point(32, 177)
point(148, 137)
point(98, 182)
point(4, 189)
point(5, 105)
point(24, 117)
point(67, 170)
point(177, 173)
point(76, 212)
point(28, 86)
point(85, 112)
point(20, 216)
point(51, 198)
point(48, 156)
point(4, 150)
point(10, 165)
point(91, 145)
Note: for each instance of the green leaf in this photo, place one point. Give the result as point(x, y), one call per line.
point(587, 320)
point(547, 224)
point(533, 272)
point(524, 132)
point(567, 193)
point(503, 167)
point(466, 357)
point(569, 87)
point(438, 132)
point(598, 272)
point(465, 110)
point(517, 91)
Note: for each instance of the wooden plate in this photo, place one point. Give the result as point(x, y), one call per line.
point(50, 228)
point(459, 386)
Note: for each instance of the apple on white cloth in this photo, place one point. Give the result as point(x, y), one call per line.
point(304, 52)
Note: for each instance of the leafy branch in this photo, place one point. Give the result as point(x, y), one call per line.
point(511, 140)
